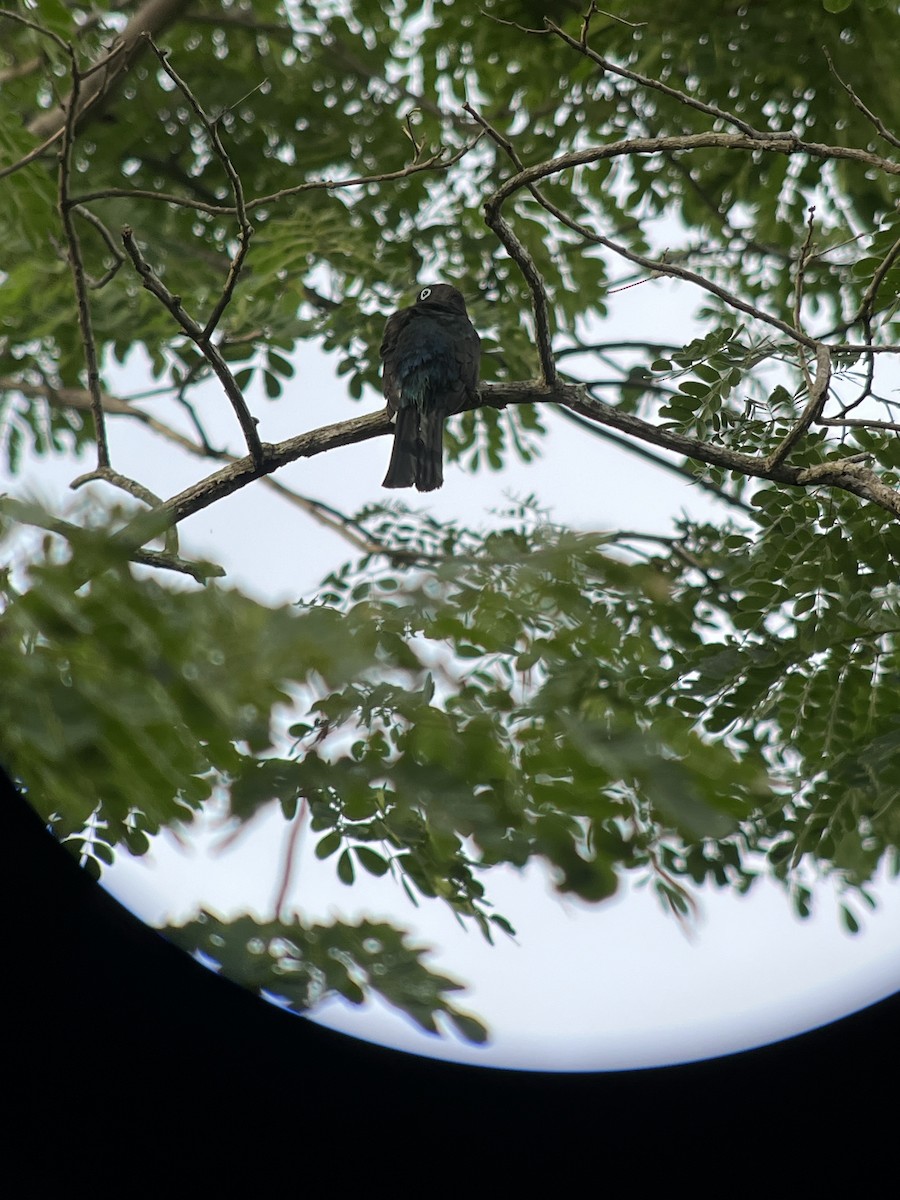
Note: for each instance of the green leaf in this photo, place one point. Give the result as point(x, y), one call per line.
point(329, 844)
point(345, 870)
point(371, 861)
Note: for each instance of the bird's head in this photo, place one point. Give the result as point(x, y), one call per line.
point(442, 295)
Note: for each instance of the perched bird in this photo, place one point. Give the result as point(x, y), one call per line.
point(431, 354)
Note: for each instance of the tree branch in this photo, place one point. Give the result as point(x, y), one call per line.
point(237, 190)
point(845, 474)
point(435, 162)
point(324, 514)
point(855, 100)
point(133, 488)
point(655, 459)
point(151, 18)
point(523, 260)
point(817, 393)
point(76, 264)
point(645, 81)
point(31, 514)
point(197, 334)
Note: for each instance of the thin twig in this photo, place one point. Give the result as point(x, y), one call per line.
point(41, 29)
point(133, 488)
point(599, 347)
point(293, 840)
point(870, 369)
point(867, 113)
point(31, 155)
point(859, 422)
point(805, 251)
point(439, 161)
point(655, 85)
point(234, 180)
point(118, 256)
point(867, 304)
point(592, 9)
point(513, 24)
point(657, 266)
point(31, 514)
point(865, 316)
point(656, 460)
point(195, 332)
point(76, 263)
point(818, 392)
point(805, 255)
point(523, 260)
point(151, 17)
point(200, 571)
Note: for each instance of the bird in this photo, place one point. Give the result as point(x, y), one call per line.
point(430, 354)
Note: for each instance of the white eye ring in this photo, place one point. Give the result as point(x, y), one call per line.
point(425, 293)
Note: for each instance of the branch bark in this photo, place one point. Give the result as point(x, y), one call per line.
point(198, 335)
point(151, 18)
point(848, 474)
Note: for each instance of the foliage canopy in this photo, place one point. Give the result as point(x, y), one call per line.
point(698, 706)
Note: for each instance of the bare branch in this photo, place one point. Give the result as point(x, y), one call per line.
point(133, 488)
point(775, 143)
point(592, 9)
point(114, 250)
point(293, 840)
point(201, 571)
point(657, 266)
point(436, 162)
point(867, 304)
point(523, 260)
point(26, 513)
point(76, 264)
point(805, 256)
point(63, 45)
point(244, 470)
point(246, 228)
point(867, 113)
point(600, 347)
point(657, 460)
point(859, 422)
point(646, 81)
point(513, 24)
point(527, 178)
point(818, 392)
point(853, 478)
point(324, 514)
point(195, 332)
point(152, 17)
point(851, 475)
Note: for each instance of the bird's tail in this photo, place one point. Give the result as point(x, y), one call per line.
point(418, 453)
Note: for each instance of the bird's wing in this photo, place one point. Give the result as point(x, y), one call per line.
point(392, 330)
point(467, 348)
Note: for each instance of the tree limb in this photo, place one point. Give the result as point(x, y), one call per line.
point(151, 18)
point(76, 262)
point(197, 334)
point(846, 474)
point(246, 229)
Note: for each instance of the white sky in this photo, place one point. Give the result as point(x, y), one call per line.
point(608, 987)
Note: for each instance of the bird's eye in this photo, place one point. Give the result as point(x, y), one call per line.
point(425, 293)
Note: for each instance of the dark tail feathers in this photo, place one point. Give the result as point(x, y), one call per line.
point(418, 454)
